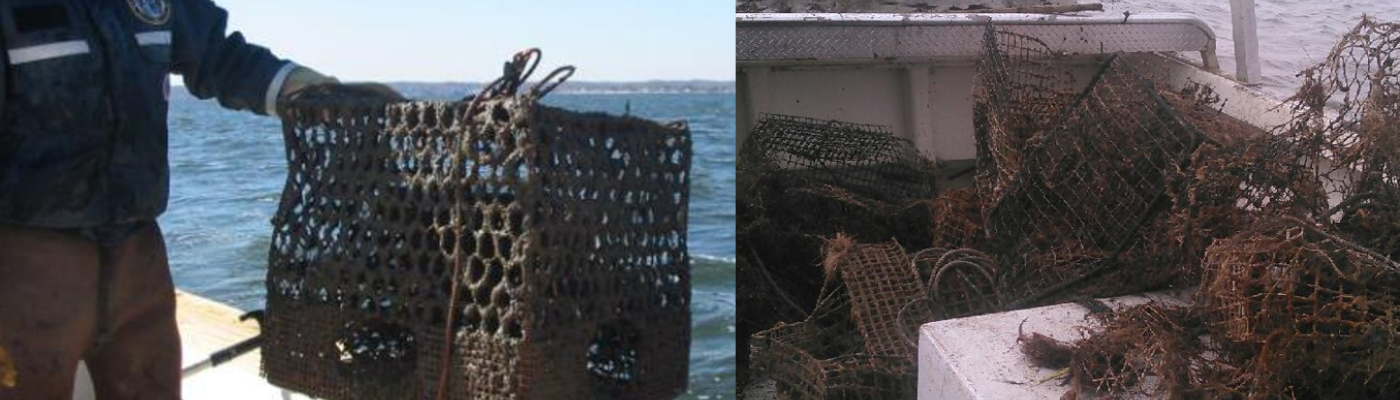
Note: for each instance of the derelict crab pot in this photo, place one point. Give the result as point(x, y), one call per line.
point(495, 247)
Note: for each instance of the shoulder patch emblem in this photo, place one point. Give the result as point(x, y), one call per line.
point(154, 12)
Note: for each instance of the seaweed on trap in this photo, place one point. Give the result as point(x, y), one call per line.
point(802, 181)
point(1123, 187)
point(1051, 162)
point(1285, 311)
point(489, 248)
point(1296, 300)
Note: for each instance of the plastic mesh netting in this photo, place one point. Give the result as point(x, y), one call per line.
point(493, 248)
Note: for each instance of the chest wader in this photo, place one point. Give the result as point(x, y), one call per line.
point(79, 146)
point(106, 238)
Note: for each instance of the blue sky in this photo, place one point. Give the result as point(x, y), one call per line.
point(467, 40)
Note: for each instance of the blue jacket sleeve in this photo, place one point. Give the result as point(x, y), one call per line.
point(241, 75)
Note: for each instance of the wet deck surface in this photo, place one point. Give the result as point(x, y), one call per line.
point(207, 327)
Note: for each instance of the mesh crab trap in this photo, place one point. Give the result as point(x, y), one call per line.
point(492, 248)
point(1348, 110)
point(1293, 237)
point(1022, 88)
point(957, 219)
point(1285, 310)
point(1085, 188)
point(853, 345)
point(866, 160)
point(1286, 289)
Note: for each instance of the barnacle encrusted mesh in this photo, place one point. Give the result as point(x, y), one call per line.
point(496, 247)
point(1086, 187)
point(864, 159)
point(1233, 182)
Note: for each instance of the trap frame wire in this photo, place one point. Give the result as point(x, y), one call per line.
point(867, 160)
point(492, 248)
point(1087, 187)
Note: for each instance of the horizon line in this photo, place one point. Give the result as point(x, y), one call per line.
point(181, 83)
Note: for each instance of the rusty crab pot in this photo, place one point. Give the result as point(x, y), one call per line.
point(492, 248)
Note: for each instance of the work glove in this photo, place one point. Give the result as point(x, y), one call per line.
point(301, 79)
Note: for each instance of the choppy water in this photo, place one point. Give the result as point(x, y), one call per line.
point(227, 171)
point(1293, 34)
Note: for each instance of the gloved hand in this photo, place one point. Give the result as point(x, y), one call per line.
point(303, 78)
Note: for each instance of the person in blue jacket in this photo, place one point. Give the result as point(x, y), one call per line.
point(84, 174)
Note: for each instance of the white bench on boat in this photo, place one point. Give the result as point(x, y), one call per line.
point(206, 327)
point(978, 358)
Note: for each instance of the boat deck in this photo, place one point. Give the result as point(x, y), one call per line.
point(207, 326)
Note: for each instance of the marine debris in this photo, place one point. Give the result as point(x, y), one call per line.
point(801, 183)
point(489, 248)
point(1115, 188)
point(1296, 300)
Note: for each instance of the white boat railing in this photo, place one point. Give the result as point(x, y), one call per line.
point(1246, 31)
point(826, 38)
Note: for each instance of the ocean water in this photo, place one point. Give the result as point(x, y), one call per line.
point(228, 169)
point(1293, 34)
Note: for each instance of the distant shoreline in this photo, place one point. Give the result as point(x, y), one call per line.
point(644, 87)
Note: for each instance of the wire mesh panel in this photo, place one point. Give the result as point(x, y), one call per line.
point(864, 159)
point(1349, 110)
point(1022, 88)
point(959, 282)
point(882, 281)
point(1286, 289)
point(1085, 188)
point(800, 181)
point(1291, 237)
point(853, 344)
point(957, 219)
point(485, 249)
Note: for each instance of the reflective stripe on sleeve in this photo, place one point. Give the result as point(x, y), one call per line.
point(153, 38)
point(49, 51)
